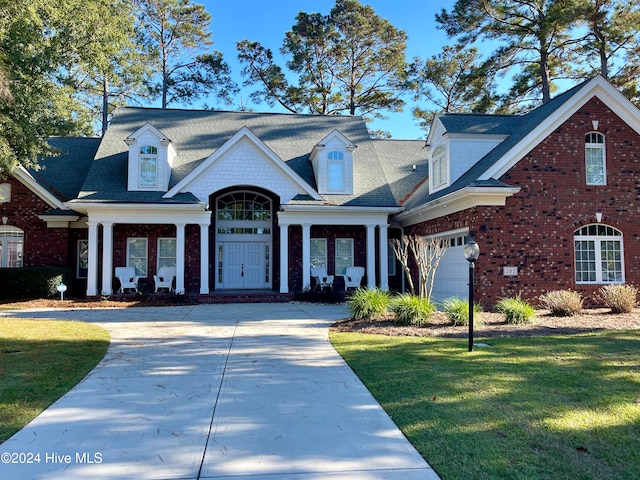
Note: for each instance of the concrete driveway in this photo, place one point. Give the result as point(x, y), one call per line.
point(214, 392)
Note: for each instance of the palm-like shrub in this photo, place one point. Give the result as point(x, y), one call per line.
point(619, 298)
point(368, 303)
point(516, 310)
point(412, 310)
point(563, 303)
point(458, 311)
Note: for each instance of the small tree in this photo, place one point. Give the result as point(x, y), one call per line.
point(426, 255)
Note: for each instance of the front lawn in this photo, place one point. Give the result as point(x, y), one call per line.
point(557, 407)
point(41, 360)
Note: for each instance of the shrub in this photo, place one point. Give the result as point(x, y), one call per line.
point(369, 303)
point(33, 282)
point(619, 298)
point(516, 310)
point(458, 311)
point(564, 303)
point(412, 310)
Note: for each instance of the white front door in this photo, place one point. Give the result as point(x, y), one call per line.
point(244, 265)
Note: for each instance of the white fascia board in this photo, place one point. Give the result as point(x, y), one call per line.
point(455, 202)
point(327, 215)
point(59, 221)
point(597, 87)
point(146, 213)
point(24, 177)
point(243, 132)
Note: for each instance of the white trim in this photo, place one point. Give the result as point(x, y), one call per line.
point(244, 132)
point(23, 176)
point(596, 87)
point(457, 201)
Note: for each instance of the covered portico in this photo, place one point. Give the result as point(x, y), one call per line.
point(179, 215)
point(374, 219)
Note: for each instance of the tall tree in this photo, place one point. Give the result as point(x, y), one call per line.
point(37, 39)
point(350, 61)
point(112, 66)
point(176, 31)
point(534, 36)
point(451, 81)
point(612, 44)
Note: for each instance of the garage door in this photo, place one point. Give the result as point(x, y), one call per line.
point(452, 275)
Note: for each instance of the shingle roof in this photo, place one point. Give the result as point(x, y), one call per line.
point(198, 134)
point(515, 126)
point(63, 175)
point(398, 158)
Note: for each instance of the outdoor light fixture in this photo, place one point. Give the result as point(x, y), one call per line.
point(471, 252)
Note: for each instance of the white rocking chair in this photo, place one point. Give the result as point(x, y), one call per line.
point(128, 279)
point(353, 277)
point(323, 280)
point(164, 278)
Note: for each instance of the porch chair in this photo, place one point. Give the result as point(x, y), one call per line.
point(353, 277)
point(164, 278)
point(128, 279)
point(321, 277)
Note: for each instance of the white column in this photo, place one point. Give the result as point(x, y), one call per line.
point(180, 258)
point(284, 258)
point(384, 264)
point(204, 258)
point(306, 255)
point(92, 267)
point(371, 256)
point(107, 258)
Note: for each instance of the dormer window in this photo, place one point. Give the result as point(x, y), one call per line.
point(151, 156)
point(332, 160)
point(439, 164)
point(335, 170)
point(148, 167)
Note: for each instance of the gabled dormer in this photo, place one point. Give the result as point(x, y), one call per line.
point(332, 160)
point(458, 141)
point(151, 156)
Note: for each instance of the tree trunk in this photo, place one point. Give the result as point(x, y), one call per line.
point(105, 104)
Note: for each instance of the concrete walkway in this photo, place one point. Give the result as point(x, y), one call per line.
point(214, 392)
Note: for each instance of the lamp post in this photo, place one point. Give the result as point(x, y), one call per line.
point(471, 252)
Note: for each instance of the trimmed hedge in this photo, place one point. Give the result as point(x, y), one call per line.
point(33, 282)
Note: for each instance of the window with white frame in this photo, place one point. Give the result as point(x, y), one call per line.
point(11, 246)
point(595, 159)
point(148, 167)
point(5, 192)
point(439, 166)
point(344, 255)
point(166, 252)
point(335, 172)
point(318, 252)
point(137, 255)
point(83, 258)
point(598, 254)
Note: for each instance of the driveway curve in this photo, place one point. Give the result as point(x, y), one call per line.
point(213, 392)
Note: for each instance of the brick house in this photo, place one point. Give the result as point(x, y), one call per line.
point(242, 201)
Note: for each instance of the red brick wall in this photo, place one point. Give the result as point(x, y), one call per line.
point(42, 246)
point(534, 231)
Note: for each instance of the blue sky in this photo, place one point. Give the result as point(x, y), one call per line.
point(267, 22)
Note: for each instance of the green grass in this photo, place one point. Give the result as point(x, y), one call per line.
point(565, 407)
point(41, 360)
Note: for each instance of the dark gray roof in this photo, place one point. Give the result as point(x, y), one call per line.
point(63, 175)
point(518, 125)
point(398, 158)
point(480, 124)
point(197, 134)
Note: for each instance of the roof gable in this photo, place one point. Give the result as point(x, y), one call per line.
point(244, 133)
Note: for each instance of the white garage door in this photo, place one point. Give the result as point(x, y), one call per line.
point(452, 275)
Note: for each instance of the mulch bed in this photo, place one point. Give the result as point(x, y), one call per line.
point(494, 325)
